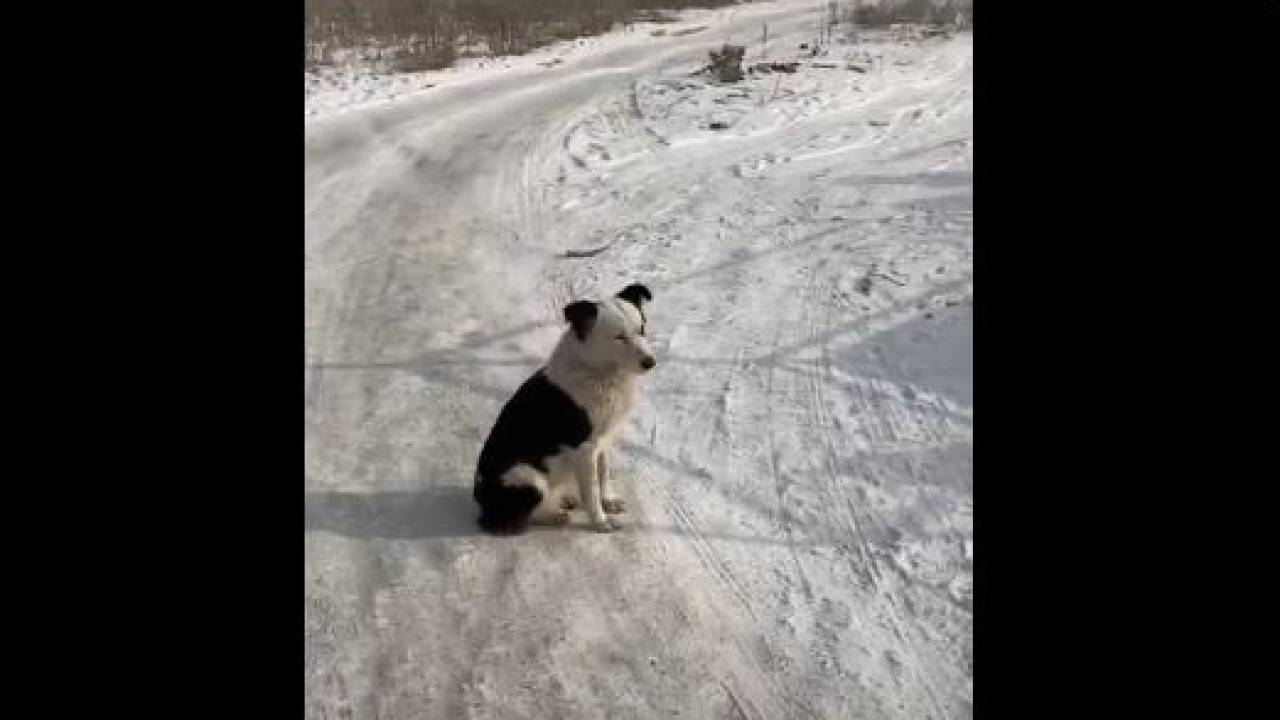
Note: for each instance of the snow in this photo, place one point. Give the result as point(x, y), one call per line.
point(798, 471)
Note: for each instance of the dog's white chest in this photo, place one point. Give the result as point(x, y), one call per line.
point(607, 405)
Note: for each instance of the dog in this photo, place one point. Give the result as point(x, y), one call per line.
point(560, 424)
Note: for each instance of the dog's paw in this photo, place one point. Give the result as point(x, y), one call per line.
point(551, 517)
point(613, 506)
point(607, 525)
point(568, 502)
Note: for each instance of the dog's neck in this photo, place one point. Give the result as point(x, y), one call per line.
point(567, 367)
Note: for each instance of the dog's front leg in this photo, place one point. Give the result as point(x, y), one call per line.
point(609, 500)
point(589, 488)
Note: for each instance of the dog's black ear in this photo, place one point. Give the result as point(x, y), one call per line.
point(582, 316)
point(635, 293)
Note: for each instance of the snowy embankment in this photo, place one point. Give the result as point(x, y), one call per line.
point(799, 469)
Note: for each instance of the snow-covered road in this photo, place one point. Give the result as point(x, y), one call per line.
point(799, 468)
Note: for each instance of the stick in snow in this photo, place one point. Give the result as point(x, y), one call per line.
point(891, 279)
point(591, 252)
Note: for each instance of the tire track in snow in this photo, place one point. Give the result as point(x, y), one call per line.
point(781, 486)
point(859, 520)
point(711, 563)
point(707, 555)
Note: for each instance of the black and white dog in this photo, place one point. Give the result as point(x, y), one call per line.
point(560, 423)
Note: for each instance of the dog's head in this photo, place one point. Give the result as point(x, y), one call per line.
point(611, 333)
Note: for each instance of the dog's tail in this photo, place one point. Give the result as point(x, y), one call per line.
point(509, 513)
point(503, 524)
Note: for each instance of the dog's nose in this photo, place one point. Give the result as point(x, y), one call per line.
point(648, 363)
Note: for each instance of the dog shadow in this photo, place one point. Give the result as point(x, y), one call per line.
point(438, 512)
point(450, 512)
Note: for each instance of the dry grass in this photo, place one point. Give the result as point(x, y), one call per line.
point(412, 35)
point(889, 12)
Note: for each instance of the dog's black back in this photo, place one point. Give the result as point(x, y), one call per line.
point(536, 423)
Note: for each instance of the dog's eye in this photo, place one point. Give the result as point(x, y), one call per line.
point(621, 338)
